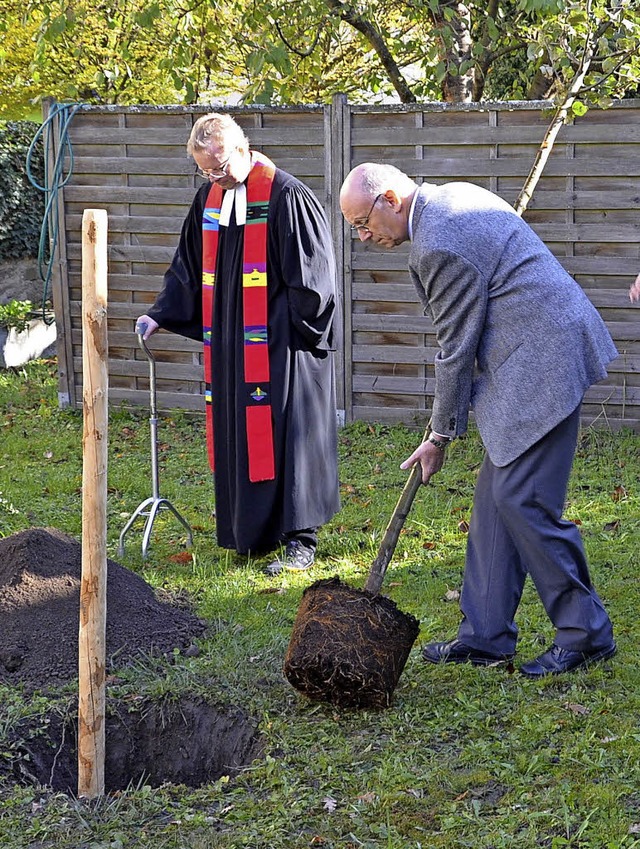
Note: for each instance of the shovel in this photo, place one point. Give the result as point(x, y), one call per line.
point(348, 647)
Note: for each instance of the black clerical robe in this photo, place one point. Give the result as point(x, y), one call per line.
point(301, 305)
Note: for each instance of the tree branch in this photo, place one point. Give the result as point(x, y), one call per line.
point(604, 77)
point(289, 46)
point(544, 151)
point(458, 87)
point(375, 39)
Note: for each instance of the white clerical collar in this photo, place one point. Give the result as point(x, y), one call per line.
point(413, 206)
point(237, 196)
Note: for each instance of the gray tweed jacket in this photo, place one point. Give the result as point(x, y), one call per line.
point(519, 341)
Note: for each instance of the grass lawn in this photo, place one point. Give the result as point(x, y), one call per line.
point(464, 757)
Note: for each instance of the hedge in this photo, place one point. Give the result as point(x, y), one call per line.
point(21, 204)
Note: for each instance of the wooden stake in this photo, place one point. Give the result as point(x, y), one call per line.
point(93, 588)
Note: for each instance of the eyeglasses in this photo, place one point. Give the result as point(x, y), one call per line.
point(356, 228)
point(215, 173)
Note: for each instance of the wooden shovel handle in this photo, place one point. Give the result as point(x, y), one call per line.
point(396, 522)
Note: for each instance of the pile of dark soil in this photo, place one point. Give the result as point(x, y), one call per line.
point(40, 571)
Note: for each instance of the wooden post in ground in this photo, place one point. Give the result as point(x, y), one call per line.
point(93, 588)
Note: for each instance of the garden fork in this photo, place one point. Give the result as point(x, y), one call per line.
point(150, 507)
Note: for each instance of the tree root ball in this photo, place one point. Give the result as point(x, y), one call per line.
point(348, 647)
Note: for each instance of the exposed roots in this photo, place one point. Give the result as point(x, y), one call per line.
point(348, 647)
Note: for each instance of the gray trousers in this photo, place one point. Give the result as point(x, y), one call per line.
point(517, 529)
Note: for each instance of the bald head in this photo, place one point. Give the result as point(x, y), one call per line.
point(373, 178)
point(375, 198)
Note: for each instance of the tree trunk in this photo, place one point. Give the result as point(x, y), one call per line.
point(542, 81)
point(348, 14)
point(457, 87)
point(544, 151)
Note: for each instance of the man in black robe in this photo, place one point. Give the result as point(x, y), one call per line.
point(302, 494)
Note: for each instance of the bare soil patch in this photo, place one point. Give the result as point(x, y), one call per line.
point(40, 572)
point(185, 740)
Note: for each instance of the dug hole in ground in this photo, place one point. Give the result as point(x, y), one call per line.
point(183, 741)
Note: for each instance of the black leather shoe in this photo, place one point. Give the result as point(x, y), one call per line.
point(557, 660)
point(456, 652)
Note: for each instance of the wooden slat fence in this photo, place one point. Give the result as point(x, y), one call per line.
point(132, 162)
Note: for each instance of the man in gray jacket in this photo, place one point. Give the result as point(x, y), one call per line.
point(519, 343)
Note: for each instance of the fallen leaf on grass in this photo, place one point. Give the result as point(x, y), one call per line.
point(451, 595)
point(576, 521)
point(329, 804)
point(612, 526)
point(618, 493)
point(429, 546)
point(578, 710)
point(463, 526)
point(268, 590)
point(181, 557)
point(367, 797)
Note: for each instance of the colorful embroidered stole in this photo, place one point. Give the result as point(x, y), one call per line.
point(257, 389)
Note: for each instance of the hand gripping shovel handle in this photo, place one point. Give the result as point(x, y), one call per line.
point(396, 523)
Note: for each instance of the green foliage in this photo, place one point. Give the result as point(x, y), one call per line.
point(105, 52)
point(21, 205)
point(464, 758)
point(16, 314)
point(563, 35)
point(280, 52)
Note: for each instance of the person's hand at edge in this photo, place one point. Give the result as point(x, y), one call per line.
point(430, 457)
point(146, 326)
point(634, 291)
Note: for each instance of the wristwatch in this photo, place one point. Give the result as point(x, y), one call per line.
point(439, 443)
